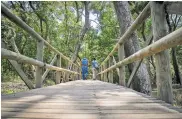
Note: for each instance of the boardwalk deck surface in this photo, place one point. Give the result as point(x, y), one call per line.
point(86, 100)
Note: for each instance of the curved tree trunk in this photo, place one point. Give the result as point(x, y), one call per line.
point(141, 80)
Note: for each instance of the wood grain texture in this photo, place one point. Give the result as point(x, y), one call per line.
point(86, 100)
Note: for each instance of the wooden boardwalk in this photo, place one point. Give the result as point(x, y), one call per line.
point(86, 100)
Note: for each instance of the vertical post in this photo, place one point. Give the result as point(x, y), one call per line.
point(79, 75)
point(74, 76)
point(64, 77)
point(110, 72)
point(58, 73)
point(122, 68)
point(101, 76)
point(105, 74)
point(163, 74)
point(39, 70)
point(98, 75)
point(67, 73)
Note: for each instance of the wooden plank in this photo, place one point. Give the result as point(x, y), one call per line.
point(141, 116)
point(72, 111)
point(85, 99)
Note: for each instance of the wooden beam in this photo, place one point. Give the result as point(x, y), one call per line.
point(58, 73)
point(169, 41)
point(39, 70)
point(122, 68)
point(7, 54)
point(29, 30)
point(111, 72)
point(105, 74)
point(135, 69)
point(162, 60)
point(139, 20)
point(79, 71)
point(19, 70)
point(47, 70)
point(102, 75)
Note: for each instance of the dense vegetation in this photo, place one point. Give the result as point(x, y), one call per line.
point(77, 29)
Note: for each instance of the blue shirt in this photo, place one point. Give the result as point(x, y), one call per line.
point(95, 64)
point(84, 62)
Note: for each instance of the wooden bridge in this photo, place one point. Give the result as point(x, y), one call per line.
point(86, 100)
point(91, 99)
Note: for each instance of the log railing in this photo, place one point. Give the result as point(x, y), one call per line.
point(16, 58)
point(168, 41)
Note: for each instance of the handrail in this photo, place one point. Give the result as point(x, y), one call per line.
point(170, 40)
point(7, 54)
point(29, 30)
point(143, 15)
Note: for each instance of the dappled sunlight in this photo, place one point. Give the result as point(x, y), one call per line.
point(81, 100)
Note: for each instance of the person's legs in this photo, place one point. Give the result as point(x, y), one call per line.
point(83, 73)
point(86, 72)
point(94, 73)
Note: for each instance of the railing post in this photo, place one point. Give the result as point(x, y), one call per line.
point(58, 73)
point(79, 71)
point(110, 72)
point(99, 75)
point(67, 73)
point(102, 75)
point(105, 74)
point(74, 76)
point(122, 68)
point(163, 74)
point(39, 70)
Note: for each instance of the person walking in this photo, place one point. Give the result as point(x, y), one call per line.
point(84, 64)
point(95, 67)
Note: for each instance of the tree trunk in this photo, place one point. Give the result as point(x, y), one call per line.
point(176, 68)
point(173, 51)
point(142, 81)
point(83, 32)
point(163, 75)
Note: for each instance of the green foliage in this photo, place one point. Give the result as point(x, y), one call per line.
point(62, 23)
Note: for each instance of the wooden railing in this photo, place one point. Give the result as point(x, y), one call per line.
point(16, 58)
point(168, 41)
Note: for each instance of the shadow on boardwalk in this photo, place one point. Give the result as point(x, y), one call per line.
point(85, 100)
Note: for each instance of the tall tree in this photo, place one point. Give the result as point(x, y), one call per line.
point(82, 33)
point(141, 81)
point(163, 75)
